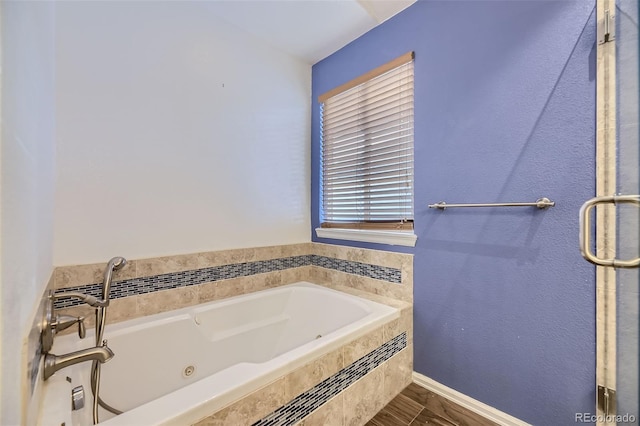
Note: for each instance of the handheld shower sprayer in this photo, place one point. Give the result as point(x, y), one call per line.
point(115, 264)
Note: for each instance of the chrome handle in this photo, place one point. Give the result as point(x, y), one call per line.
point(82, 331)
point(62, 322)
point(585, 230)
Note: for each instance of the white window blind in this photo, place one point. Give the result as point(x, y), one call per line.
point(367, 152)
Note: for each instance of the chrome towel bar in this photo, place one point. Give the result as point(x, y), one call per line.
point(541, 203)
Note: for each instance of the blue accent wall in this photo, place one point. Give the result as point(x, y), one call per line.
point(504, 111)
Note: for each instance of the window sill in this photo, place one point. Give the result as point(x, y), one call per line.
point(395, 238)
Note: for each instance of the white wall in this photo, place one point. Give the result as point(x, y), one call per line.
point(26, 183)
point(176, 133)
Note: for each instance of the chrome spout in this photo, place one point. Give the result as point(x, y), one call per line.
point(53, 363)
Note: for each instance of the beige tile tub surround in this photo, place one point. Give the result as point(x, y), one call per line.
point(333, 279)
point(313, 373)
point(330, 413)
point(131, 307)
point(356, 404)
point(252, 408)
point(75, 275)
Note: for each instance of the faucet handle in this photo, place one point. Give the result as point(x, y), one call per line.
point(62, 322)
point(82, 331)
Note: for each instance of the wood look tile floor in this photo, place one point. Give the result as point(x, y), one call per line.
point(416, 405)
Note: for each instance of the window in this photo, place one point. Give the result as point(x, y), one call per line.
point(367, 152)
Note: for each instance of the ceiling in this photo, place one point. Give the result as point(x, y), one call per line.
point(308, 29)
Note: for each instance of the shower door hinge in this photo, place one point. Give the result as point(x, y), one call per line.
point(606, 400)
point(607, 28)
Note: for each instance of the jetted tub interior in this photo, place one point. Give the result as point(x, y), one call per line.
point(180, 366)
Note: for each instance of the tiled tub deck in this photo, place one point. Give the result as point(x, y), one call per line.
point(347, 386)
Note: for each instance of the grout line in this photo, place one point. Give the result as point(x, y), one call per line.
point(391, 414)
point(419, 412)
point(396, 417)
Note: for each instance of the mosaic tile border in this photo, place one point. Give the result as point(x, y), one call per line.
point(150, 284)
point(307, 402)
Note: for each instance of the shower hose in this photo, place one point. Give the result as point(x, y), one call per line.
point(101, 319)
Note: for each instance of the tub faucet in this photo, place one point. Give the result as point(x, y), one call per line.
point(53, 363)
point(53, 323)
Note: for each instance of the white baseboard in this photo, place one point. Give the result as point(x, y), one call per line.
point(467, 402)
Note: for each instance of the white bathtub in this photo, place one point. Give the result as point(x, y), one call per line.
point(235, 346)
